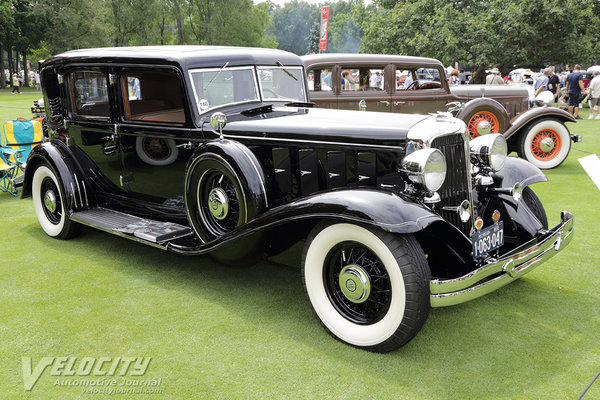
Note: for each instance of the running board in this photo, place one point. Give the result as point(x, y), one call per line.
point(154, 233)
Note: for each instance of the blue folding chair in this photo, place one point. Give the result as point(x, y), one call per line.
point(17, 140)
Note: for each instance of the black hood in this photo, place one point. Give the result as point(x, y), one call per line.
point(326, 125)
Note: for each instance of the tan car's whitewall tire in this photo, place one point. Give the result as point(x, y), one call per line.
point(545, 144)
point(369, 288)
point(49, 204)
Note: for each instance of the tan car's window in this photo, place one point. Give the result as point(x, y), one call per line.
point(319, 80)
point(153, 96)
point(360, 79)
point(89, 94)
point(417, 79)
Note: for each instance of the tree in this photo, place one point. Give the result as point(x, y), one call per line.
point(314, 39)
point(495, 32)
point(292, 23)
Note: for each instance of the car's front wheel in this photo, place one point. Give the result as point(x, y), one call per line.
point(546, 144)
point(49, 204)
point(369, 288)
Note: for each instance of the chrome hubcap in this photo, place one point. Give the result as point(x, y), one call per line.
point(50, 200)
point(484, 127)
point(218, 203)
point(355, 283)
point(546, 145)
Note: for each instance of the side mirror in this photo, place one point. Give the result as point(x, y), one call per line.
point(218, 121)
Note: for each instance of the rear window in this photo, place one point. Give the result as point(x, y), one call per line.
point(153, 96)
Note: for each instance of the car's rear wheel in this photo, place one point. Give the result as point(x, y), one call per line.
point(369, 288)
point(49, 204)
point(545, 144)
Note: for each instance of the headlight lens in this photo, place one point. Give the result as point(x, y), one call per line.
point(425, 168)
point(490, 150)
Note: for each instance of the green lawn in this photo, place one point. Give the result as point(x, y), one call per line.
point(223, 333)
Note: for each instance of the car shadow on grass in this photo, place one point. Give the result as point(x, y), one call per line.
point(509, 343)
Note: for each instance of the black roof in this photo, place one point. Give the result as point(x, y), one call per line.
point(186, 56)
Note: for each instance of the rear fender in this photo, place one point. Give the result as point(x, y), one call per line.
point(60, 158)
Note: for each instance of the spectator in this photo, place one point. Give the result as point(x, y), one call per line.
point(574, 88)
point(594, 93)
point(454, 78)
point(541, 83)
point(36, 77)
point(326, 77)
point(15, 83)
point(494, 77)
point(553, 83)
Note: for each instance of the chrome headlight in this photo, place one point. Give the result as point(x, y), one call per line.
point(425, 168)
point(490, 150)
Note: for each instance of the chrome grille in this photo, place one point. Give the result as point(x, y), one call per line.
point(457, 186)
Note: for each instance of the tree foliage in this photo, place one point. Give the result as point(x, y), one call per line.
point(493, 32)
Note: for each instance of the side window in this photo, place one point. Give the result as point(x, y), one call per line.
point(153, 96)
point(89, 94)
point(319, 80)
point(417, 79)
point(355, 79)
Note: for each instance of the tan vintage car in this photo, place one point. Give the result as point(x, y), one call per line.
point(417, 85)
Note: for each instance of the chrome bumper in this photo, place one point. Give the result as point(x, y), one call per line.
point(505, 270)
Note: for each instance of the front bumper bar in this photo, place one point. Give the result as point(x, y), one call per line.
point(510, 267)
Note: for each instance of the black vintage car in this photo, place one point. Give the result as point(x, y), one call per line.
point(217, 150)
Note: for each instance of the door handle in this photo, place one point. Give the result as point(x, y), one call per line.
point(399, 103)
point(384, 102)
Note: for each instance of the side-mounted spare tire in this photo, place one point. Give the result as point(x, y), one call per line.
point(481, 110)
point(224, 189)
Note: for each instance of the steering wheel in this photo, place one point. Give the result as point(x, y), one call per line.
point(413, 85)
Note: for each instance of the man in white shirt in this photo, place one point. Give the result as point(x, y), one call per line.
point(594, 91)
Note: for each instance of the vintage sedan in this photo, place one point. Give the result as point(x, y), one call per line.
point(419, 85)
point(216, 150)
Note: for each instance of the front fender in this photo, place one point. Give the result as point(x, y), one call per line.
point(384, 210)
point(529, 116)
point(485, 104)
point(58, 156)
point(517, 170)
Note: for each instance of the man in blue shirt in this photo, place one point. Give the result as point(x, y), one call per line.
point(541, 83)
point(574, 88)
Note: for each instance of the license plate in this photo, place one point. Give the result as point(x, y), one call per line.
point(488, 239)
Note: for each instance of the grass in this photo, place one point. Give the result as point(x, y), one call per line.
point(220, 333)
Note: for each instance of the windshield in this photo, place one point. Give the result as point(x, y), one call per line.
point(282, 83)
point(218, 87)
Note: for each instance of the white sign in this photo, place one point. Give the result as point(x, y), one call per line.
point(591, 165)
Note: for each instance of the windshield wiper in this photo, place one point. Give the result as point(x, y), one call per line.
point(285, 70)
point(217, 74)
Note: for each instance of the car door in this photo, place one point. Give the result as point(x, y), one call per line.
point(366, 84)
point(320, 85)
point(90, 122)
point(420, 89)
point(154, 130)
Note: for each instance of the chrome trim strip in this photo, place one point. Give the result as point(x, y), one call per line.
point(78, 190)
point(374, 146)
point(87, 204)
point(511, 267)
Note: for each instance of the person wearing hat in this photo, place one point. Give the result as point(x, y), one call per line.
point(593, 91)
point(494, 77)
point(15, 83)
point(574, 88)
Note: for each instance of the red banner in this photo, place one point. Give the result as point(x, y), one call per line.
point(324, 27)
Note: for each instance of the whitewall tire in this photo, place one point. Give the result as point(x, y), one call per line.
point(368, 288)
point(49, 204)
point(545, 144)
point(156, 151)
